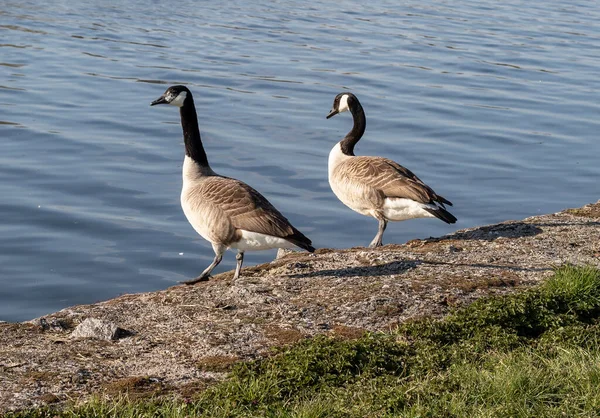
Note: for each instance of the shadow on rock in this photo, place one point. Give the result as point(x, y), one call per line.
point(394, 267)
point(490, 266)
point(493, 232)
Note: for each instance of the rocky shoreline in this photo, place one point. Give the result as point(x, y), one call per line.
point(183, 338)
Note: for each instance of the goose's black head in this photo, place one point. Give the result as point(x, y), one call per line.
point(175, 96)
point(342, 102)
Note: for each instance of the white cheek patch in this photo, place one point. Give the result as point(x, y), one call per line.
point(178, 101)
point(343, 105)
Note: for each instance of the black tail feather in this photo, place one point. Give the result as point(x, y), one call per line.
point(300, 240)
point(443, 201)
point(442, 214)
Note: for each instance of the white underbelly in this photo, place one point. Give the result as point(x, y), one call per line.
point(254, 241)
point(396, 209)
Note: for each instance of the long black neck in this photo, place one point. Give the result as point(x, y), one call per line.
point(360, 122)
point(191, 133)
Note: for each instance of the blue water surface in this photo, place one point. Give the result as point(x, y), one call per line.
point(494, 105)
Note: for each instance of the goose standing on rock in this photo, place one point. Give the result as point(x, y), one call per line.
point(224, 211)
point(377, 186)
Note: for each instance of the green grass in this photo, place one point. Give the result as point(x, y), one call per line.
point(531, 354)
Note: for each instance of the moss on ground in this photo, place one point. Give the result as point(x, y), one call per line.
point(529, 354)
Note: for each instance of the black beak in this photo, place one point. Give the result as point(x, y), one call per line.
point(160, 100)
point(332, 113)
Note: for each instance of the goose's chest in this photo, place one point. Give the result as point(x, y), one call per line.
point(355, 196)
point(351, 191)
point(336, 157)
point(198, 215)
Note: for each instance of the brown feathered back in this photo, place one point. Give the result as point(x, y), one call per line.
point(227, 199)
point(389, 178)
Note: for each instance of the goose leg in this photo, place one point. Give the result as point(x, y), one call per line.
point(219, 250)
point(240, 260)
point(378, 238)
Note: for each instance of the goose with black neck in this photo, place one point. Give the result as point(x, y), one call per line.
point(224, 211)
point(377, 186)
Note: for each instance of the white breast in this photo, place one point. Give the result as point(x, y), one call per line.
point(254, 241)
point(192, 172)
point(336, 156)
point(351, 194)
point(198, 219)
point(202, 216)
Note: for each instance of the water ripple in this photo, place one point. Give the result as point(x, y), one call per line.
point(493, 104)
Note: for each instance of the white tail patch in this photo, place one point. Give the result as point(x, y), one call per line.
point(254, 241)
point(396, 209)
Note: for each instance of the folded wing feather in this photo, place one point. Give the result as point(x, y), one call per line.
point(245, 208)
point(390, 179)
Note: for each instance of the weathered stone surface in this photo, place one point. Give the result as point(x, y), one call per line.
point(187, 336)
point(96, 328)
point(282, 252)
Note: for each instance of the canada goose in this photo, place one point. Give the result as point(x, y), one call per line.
point(224, 211)
point(377, 186)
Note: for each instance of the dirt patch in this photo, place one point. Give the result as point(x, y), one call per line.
point(283, 336)
point(348, 333)
point(134, 387)
point(217, 363)
point(184, 338)
point(590, 211)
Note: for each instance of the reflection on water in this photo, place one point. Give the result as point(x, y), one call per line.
point(496, 113)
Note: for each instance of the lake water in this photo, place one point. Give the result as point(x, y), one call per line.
point(494, 105)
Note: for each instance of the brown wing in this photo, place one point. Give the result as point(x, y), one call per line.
point(247, 209)
point(391, 179)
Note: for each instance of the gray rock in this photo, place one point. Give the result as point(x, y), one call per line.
point(282, 252)
point(99, 329)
